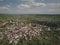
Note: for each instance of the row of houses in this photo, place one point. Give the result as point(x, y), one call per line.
point(19, 30)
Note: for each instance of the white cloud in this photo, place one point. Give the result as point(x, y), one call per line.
point(39, 4)
point(21, 6)
point(50, 5)
point(33, 7)
point(28, 0)
point(32, 3)
point(6, 7)
point(48, 8)
point(36, 4)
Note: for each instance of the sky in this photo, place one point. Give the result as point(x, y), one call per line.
point(29, 6)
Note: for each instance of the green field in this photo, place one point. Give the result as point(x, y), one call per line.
point(40, 17)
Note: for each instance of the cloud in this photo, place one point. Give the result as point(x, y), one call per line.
point(32, 5)
point(21, 6)
point(28, 0)
point(39, 4)
point(46, 5)
point(49, 5)
point(48, 8)
point(6, 7)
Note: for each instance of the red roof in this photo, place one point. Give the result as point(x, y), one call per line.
point(2, 24)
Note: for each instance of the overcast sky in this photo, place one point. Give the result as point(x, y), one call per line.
point(30, 6)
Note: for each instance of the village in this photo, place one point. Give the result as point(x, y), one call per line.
point(17, 30)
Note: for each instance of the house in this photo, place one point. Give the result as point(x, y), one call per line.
point(1, 35)
point(3, 24)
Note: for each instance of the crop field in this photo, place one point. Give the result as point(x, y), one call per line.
point(30, 29)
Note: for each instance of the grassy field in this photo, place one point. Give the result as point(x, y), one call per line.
point(40, 17)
